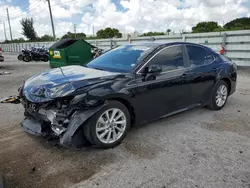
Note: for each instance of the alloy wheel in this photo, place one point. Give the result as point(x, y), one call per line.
point(221, 96)
point(111, 125)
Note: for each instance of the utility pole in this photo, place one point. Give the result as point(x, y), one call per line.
point(4, 31)
point(51, 18)
point(93, 30)
point(9, 23)
point(75, 30)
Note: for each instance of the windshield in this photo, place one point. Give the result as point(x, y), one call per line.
point(121, 59)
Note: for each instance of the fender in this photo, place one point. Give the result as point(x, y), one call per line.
point(74, 137)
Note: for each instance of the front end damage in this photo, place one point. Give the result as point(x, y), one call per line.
point(58, 102)
point(61, 119)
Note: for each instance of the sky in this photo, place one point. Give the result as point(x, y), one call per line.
point(128, 16)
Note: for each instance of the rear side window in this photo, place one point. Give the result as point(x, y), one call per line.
point(199, 56)
point(209, 57)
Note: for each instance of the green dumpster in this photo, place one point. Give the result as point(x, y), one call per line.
point(70, 52)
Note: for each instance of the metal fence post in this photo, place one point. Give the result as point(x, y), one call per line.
point(224, 40)
point(184, 38)
point(114, 43)
point(111, 44)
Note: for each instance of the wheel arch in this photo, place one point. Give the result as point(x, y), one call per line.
point(126, 103)
point(228, 81)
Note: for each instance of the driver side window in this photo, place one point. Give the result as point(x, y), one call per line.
point(169, 59)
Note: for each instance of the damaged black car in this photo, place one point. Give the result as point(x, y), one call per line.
point(128, 85)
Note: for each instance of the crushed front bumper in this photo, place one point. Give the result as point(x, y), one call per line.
point(73, 135)
point(37, 128)
point(55, 121)
point(32, 126)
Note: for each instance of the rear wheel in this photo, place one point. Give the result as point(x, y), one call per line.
point(108, 127)
point(219, 96)
point(27, 58)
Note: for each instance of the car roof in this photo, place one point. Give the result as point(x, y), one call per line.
point(157, 44)
point(154, 45)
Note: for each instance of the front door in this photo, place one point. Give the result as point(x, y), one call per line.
point(166, 92)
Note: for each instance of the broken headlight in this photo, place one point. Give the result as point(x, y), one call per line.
point(61, 90)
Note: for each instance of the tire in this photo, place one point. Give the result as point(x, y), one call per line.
point(109, 130)
point(26, 58)
point(20, 57)
point(213, 105)
point(45, 58)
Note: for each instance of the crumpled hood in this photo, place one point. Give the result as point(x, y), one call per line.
point(37, 87)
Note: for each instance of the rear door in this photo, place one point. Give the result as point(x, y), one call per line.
point(203, 69)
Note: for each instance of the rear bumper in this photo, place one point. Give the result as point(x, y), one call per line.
point(232, 91)
point(233, 86)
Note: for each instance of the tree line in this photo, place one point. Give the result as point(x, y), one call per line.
point(237, 24)
point(29, 32)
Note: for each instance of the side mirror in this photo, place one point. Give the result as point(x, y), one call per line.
point(151, 71)
point(154, 69)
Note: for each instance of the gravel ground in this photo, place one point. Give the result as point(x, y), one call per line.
point(198, 148)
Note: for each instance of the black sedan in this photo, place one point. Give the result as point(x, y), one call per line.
point(128, 85)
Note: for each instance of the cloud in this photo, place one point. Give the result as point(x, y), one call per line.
point(152, 15)
point(136, 15)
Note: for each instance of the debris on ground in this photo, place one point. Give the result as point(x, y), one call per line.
point(33, 170)
point(4, 73)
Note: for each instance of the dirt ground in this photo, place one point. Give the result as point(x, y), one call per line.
point(198, 148)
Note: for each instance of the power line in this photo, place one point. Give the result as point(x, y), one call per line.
point(16, 16)
point(17, 3)
point(21, 9)
point(8, 18)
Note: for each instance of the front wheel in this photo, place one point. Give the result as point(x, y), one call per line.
point(108, 127)
point(20, 57)
point(219, 96)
